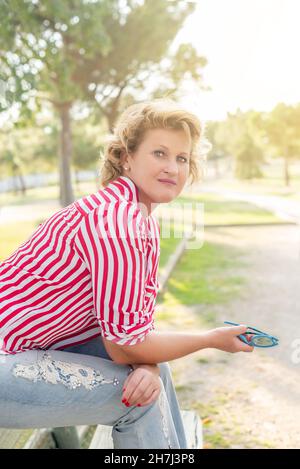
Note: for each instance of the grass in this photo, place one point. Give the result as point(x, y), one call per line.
point(217, 211)
point(167, 247)
point(216, 440)
point(14, 438)
point(205, 276)
point(85, 444)
point(288, 195)
point(13, 234)
point(265, 186)
point(219, 432)
point(47, 193)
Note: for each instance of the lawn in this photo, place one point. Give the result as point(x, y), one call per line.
point(217, 211)
point(265, 186)
point(203, 278)
point(13, 234)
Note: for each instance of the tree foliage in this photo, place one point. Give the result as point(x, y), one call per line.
point(283, 133)
point(90, 52)
point(252, 137)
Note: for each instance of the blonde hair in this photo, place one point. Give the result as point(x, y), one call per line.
point(130, 128)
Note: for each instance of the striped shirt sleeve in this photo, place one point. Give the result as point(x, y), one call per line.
point(112, 242)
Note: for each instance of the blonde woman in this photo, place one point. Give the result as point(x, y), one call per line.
point(77, 338)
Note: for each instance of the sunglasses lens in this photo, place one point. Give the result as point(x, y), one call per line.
point(263, 341)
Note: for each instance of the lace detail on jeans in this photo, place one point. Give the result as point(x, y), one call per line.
point(71, 375)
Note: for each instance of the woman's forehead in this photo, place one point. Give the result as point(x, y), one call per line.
point(168, 138)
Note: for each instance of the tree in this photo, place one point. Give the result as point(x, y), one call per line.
point(283, 133)
point(87, 148)
point(40, 52)
point(14, 167)
point(80, 51)
point(241, 136)
point(215, 133)
point(166, 76)
point(248, 158)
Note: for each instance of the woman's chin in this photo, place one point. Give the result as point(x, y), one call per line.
point(164, 199)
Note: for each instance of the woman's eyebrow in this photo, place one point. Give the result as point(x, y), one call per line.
point(180, 153)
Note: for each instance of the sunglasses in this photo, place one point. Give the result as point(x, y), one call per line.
point(258, 339)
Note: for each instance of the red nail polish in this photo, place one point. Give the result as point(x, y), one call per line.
point(124, 389)
point(139, 405)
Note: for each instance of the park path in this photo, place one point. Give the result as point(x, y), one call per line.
point(40, 210)
point(252, 400)
point(288, 210)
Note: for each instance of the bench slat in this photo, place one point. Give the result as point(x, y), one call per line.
point(102, 438)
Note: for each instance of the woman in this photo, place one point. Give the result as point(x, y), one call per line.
point(77, 337)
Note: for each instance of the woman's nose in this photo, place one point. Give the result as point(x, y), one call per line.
point(171, 167)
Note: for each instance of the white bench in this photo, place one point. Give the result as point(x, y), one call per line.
point(102, 438)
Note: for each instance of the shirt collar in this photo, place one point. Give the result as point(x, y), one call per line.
point(125, 188)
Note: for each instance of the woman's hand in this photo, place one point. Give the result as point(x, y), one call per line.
point(142, 386)
point(225, 338)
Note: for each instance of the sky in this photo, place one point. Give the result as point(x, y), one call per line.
point(252, 48)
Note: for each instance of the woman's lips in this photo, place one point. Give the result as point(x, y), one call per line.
point(167, 181)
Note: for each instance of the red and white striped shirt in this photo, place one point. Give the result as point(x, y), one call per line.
point(89, 270)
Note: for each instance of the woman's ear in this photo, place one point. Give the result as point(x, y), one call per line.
point(124, 158)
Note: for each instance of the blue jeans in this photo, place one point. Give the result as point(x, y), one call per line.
point(81, 385)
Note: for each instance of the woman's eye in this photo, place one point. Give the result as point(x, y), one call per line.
point(162, 153)
point(159, 151)
point(184, 159)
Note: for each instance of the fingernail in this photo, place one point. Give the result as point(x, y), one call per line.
point(139, 405)
point(124, 389)
point(123, 400)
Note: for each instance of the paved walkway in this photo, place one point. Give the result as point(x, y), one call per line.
point(272, 297)
point(28, 212)
point(286, 209)
point(252, 400)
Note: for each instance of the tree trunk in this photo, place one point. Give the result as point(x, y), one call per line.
point(111, 117)
point(66, 195)
point(17, 175)
point(113, 109)
point(286, 171)
point(22, 183)
point(77, 180)
point(216, 165)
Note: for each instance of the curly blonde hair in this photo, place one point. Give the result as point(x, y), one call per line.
point(131, 126)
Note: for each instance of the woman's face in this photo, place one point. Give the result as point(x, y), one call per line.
point(163, 154)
